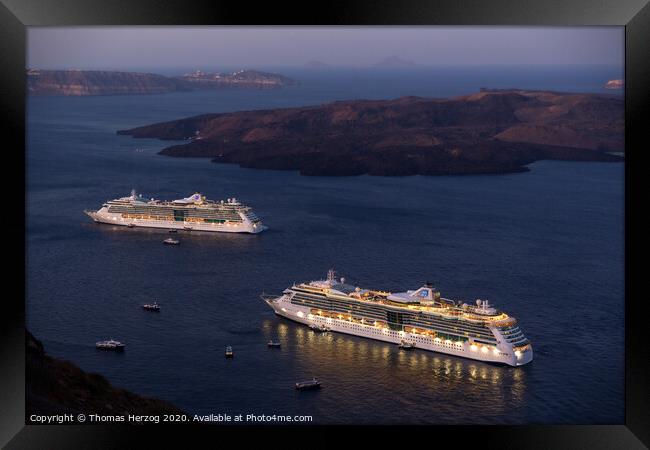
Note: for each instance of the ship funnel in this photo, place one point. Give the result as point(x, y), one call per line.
point(331, 276)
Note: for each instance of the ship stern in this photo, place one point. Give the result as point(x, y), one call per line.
point(524, 356)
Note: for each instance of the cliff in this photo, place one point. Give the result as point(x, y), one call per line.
point(487, 132)
point(92, 82)
point(56, 387)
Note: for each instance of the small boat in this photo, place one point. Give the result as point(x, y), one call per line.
point(187, 228)
point(130, 225)
point(151, 306)
point(321, 328)
point(406, 345)
point(173, 230)
point(170, 241)
point(111, 344)
point(309, 384)
point(273, 344)
point(229, 352)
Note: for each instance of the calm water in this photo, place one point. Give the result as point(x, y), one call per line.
point(546, 246)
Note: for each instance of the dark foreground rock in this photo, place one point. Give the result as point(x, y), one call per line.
point(493, 131)
point(54, 387)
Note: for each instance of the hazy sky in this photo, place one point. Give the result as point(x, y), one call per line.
point(251, 47)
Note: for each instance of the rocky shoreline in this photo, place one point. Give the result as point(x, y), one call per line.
point(55, 386)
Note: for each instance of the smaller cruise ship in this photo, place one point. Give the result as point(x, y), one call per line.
point(195, 212)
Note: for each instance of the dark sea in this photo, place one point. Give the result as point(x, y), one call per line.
point(545, 246)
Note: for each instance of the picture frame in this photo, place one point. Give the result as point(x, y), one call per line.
point(15, 16)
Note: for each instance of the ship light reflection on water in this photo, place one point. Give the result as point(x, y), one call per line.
point(417, 377)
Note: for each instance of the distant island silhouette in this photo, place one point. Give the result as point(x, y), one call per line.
point(96, 82)
point(394, 62)
point(313, 64)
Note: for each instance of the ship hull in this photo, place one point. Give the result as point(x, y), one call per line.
point(302, 315)
point(116, 219)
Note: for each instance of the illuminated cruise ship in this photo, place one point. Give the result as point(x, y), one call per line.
point(421, 318)
point(191, 213)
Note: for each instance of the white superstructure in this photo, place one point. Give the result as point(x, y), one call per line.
point(192, 213)
point(420, 318)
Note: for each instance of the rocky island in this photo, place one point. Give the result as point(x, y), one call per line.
point(94, 82)
point(492, 131)
point(252, 79)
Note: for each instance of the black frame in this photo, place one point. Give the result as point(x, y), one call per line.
point(15, 16)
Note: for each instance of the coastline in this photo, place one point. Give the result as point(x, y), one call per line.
point(55, 387)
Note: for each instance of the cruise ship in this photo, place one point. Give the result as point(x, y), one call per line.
point(418, 318)
point(192, 213)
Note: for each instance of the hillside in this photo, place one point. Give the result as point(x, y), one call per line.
point(54, 386)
